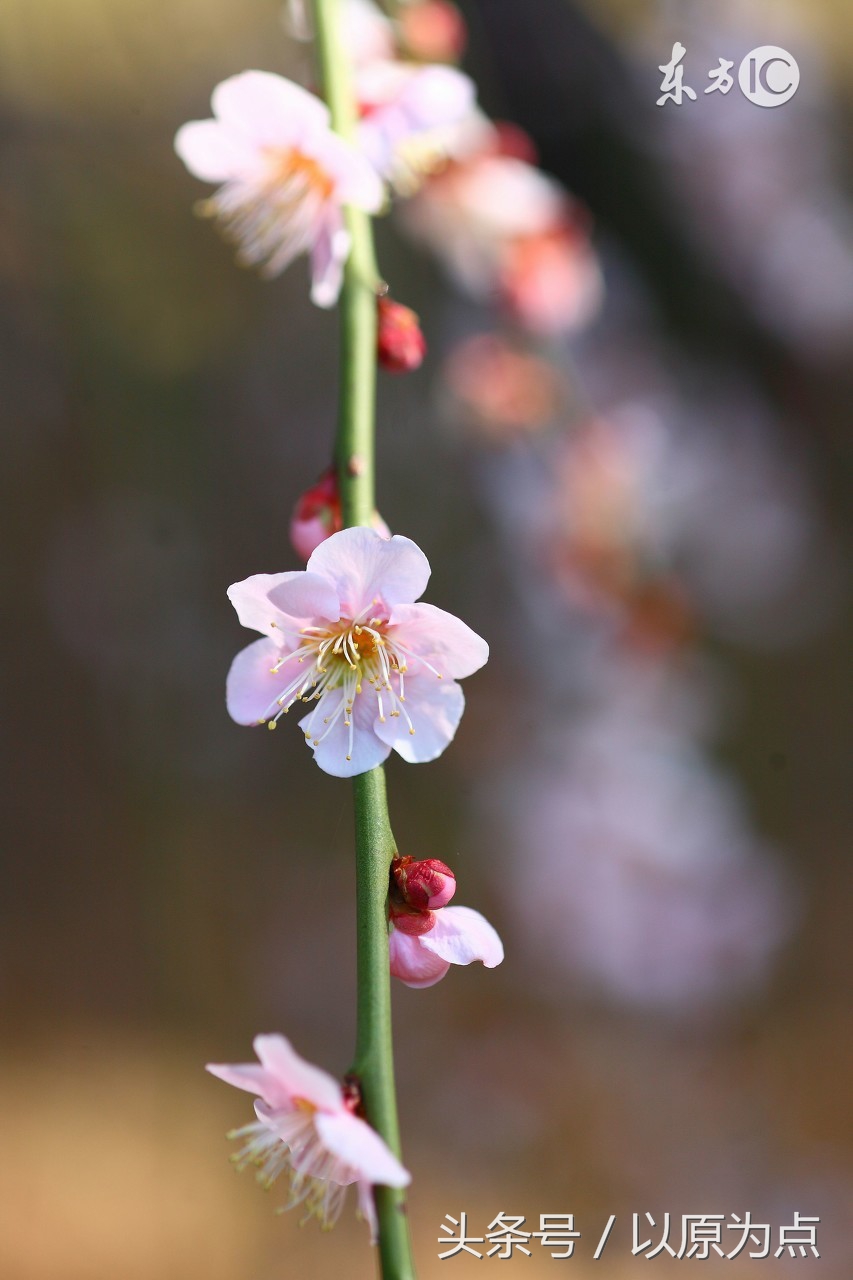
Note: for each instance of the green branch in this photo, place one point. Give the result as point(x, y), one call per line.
point(355, 455)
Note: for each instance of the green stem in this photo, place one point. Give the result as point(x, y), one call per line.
point(374, 841)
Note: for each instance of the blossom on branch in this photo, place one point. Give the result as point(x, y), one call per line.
point(285, 176)
point(306, 1124)
point(427, 936)
point(346, 638)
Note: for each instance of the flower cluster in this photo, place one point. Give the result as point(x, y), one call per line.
point(471, 190)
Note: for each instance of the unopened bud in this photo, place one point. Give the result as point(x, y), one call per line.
point(433, 31)
point(317, 515)
point(400, 344)
point(427, 885)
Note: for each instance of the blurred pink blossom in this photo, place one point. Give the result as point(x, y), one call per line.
point(285, 176)
point(306, 1125)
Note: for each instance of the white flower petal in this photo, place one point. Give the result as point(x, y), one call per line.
point(356, 180)
point(251, 687)
point(435, 708)
point(461, 935)
point(328, 258)
point(366, 750)
point(251, 599)
point(443, 639)
point(304, 596)
point(301, 1079)
point(412, 963)
point(359, 1146)
point(212, 153)
point(270, 110)
point(364, 566)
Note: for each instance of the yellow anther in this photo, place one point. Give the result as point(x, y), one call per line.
point(271, 724)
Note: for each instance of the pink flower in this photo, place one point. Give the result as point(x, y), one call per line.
point(347, 637)
point(317, 515)
point(285, 176)
point(410, 117)
point(508, 233)
point(306, 1124)
point(424, 945)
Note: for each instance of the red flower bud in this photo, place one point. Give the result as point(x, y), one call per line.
point(317, 515)
point(400, 344)
point(427, 885)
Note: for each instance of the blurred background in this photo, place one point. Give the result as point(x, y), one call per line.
point(630, 474)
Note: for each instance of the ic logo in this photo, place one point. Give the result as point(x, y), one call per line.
point(768, 76)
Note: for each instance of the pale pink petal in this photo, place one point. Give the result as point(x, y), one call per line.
point(364, 567)
point(251, 686)
point(328, 258)
point(366, 749)
point(443, 639)
point(353, 1141)
point(272, 111)
point(300, 1078)
point(412, 963)
point(306, 595)
point(435, 708)
point(356, 181)
point(212, 153)
point(251, 599)
point(461, 935)
point(367, 1208)
point(254, 1079)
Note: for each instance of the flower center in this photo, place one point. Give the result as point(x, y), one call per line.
point(342, 657)
point(290, 166)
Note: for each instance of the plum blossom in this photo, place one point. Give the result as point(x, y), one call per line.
point(285, 176)
point(410, 116)
point(306, 1124)
point(507, 232)
point(347, 638)
point(423, 946)
point(427, 936)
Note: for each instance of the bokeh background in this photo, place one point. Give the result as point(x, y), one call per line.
point(649, 794)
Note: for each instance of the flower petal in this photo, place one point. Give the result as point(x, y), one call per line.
point(353, 1141)
point(303, 595)
point(367, 1208)
point(254, 1079)
point(461, 935)
point(212, 153)
point(268, 109)
point(328, 256)
point(435, 708)
point(331, 753)
point(364, 566)
point(251, 599)
point(251, 687)
point(443, 639)
point(356, 180)
point(301, 1079)
point(412, 963)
